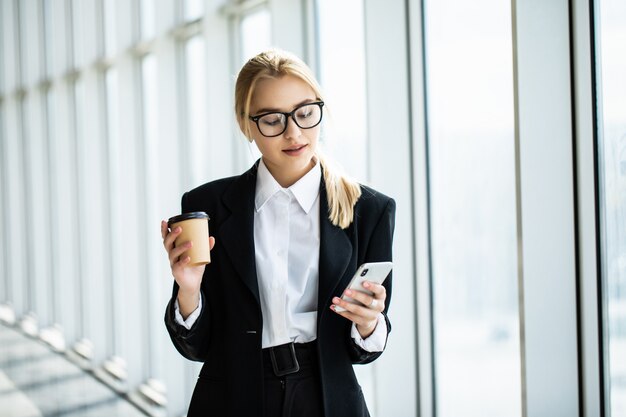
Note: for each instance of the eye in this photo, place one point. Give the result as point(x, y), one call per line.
point(272, 119)
point(305, 112)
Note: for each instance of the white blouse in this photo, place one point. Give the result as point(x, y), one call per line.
point(287, 241)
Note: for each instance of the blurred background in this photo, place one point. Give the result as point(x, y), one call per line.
point(507, 242)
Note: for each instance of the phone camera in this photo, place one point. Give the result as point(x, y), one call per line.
point(364, 272)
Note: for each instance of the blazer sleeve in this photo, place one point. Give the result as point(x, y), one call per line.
point(191, 343)
point(379, 249)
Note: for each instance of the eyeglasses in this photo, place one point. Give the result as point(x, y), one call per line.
point(305, 116)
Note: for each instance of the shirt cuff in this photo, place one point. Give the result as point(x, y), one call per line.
point(192, 317)
point(374, 342)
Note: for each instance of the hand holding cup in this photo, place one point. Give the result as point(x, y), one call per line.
point(187, 243)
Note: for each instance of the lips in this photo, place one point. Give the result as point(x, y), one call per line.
point(295, 150)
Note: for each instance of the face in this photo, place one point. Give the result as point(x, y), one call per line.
point(288, 156)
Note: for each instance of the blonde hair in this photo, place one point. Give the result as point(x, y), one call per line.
point(342, 192)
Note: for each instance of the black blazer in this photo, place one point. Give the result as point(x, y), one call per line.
point(227, 334)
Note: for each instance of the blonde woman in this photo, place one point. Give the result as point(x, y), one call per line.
point(288, 235)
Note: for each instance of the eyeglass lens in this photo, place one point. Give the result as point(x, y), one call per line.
point(306, 117)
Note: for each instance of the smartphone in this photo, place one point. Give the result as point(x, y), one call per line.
point(371, 271)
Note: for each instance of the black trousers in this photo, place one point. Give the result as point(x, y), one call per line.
point(297, 394)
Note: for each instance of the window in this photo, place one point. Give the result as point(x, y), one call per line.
point(193, 9)
point(255, 34)
point(472, 182)
point(342, 75)
point(152, 252)
point(112, 129)
point(110, 28)
point(29, 41)
point(147, 18)
point(196, 79)
point(611, 62)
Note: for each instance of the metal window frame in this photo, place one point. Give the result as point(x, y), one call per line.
point(546, 214)
point(591, 352)
point(424, 316)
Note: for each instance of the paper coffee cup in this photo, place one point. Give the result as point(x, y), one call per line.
point(195, 228)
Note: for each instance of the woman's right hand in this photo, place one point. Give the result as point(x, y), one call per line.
point(187, 277)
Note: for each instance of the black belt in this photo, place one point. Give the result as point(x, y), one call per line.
point(286, 359)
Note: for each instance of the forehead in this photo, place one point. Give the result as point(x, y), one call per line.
point(282, 94)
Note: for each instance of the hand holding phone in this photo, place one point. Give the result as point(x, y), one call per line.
point(375, 272)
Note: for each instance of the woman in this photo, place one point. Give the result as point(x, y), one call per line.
point(289, 234)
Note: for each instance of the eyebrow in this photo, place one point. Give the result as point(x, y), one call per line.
point(273, 109)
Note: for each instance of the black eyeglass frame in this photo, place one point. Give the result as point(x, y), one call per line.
point(288, 115)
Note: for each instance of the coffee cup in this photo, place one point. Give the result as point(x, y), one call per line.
point(195, 228)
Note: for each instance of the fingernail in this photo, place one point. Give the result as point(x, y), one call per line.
point(366, 284)
point(336, 300)
point(348, 292)
point(332, 307)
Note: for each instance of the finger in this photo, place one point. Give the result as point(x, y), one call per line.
point(363, 312)
point(379, 291)
point(171, 237)
point(367, 299)
point(181, 263)
point(356, 319)
point(163, 229)
point(360, 296)
point(175, 253)
point(211, 242)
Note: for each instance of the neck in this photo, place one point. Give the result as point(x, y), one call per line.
point(288, 177)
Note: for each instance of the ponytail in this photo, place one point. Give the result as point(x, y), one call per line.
point(342, 194)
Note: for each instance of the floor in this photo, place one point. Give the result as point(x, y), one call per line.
point(36, 381)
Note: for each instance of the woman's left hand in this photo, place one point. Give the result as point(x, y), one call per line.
point(364, 316)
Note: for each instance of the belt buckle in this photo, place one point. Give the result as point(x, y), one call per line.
point(295, 367)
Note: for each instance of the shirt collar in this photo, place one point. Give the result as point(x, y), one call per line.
point(305, 190)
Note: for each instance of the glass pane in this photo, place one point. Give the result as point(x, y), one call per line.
point(29, 41)
point(342, 75)
point(110, 38)
point(611, 37)
point(255, 34)
point(78, 33)
point(8, 34)
point(82, 290)
point(197, 108)
point(2, 59)
point(113, 130)
point(472, 182)
point(149, 88)
point(193, 9)
point(147, 13)
point(55, 250)
point(150, 96)
point(5, 293)
point(48, 35)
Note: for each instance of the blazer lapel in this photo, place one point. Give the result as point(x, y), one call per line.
point(237, 232)
point(237, 237)
point(335, 254)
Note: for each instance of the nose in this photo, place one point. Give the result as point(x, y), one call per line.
point(292, 131)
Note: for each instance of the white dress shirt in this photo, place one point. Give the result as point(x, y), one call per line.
point(286, 241)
